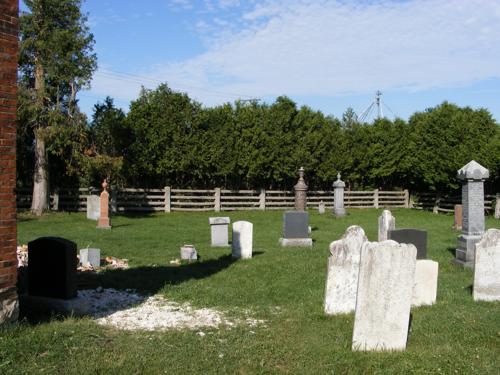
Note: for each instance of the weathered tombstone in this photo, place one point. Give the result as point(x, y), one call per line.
point(472, 176)
point(338, 197)
point(385, 287)
point(487, 267)
point(242, 244)
point(296, 229)
point(93, 207)
point(426, 281)
point(300, 192)
point(416, 237)
point(321, 207)
point(497, 207)
point(52, 265)
point(458, 217)
point(91, 257)
point(219, 229)
point(103, 222)
point(386, 222)
point(188, 252)
point(343, 272)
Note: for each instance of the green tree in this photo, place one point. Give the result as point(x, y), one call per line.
point(55, 62)
point(445, 138)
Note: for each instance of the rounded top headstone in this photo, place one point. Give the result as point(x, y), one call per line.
point(339, 183)
point(473, 171)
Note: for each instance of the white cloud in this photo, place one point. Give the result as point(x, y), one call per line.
point(336, 47)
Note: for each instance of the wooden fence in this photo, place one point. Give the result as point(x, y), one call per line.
point(168, 199)
point(438, 203)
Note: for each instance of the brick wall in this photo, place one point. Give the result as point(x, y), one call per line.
point(8, 73)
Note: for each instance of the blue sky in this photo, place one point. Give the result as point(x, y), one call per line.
point(328, 55)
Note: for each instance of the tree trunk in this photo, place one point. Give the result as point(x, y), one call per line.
point(40, 199)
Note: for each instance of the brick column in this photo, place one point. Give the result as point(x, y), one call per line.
point(8, 73)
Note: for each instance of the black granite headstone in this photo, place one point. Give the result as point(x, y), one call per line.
point(295, 224)
point(52, 265)
point(416, 237)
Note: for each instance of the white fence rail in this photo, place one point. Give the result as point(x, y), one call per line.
point(169, 199)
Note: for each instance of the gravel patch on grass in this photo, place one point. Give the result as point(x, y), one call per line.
point(130, 311)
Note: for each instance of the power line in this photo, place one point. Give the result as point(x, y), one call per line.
point(135, 78)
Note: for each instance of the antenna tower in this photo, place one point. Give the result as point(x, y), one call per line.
point(377, 104)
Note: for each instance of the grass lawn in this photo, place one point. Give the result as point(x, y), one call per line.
point(284, 286)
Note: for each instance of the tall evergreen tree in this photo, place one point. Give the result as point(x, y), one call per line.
point(56, 61)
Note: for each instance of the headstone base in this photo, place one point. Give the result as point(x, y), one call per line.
point(296, 242)
point(464, 255)
point(339, 212)
point(66, 307)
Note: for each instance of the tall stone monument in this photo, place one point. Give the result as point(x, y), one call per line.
point(103, 222)
point(338, 196)
point(472, 176)
point(300, 192)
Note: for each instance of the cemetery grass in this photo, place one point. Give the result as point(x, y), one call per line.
point(282, 286)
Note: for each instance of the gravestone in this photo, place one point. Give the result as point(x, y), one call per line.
point(300, 192)
point(103, 222)
point(91, 257)
point(386, 222)
point(343, 272)
point(472, 176)
point(416, 237)
point(385, 287)
point(487, 267)
point(219, 229)
point(426, 281)
point(242, 244)
point(321, 208)
point(338, 197)
point(188, 252)
point(296, 229)
point(457, 224)
point(52, 265)
point(93, 207)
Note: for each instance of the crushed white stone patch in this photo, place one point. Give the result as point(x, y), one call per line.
point(129, 311)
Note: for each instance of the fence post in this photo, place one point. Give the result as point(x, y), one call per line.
point(217, 200)
point(166, 199)
point(55, 201)
point(407, 198)
point(113, 199)
point(375, 198)
point(262, 200)
point(497, 206)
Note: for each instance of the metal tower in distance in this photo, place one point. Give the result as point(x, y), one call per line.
point(377, 104)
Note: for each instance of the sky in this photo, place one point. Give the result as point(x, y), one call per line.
point(328, 55)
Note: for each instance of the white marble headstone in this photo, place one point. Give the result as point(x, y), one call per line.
point(242, 239)
point(487, 267)
point(386, 278)
point(93, 207)
point(386, 222)
point(343, 271)
point(426, 282)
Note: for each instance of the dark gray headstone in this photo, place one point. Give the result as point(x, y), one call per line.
point(52, 265)
point(416, 237)
point(295, 224)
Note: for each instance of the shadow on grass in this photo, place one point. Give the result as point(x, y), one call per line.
point(452, 250)
point(150, 280)
point(143, 280)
